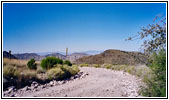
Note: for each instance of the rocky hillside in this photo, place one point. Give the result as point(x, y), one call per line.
point(72, 57)
point(114, 57)
point(7, 55)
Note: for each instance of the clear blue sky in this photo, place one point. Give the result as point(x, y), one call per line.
point(48, 27)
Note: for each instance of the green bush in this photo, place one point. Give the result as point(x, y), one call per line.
point(156, 87)
point(49, 62)
point(31, 64)
point(67, 62)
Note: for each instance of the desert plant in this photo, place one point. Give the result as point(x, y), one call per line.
point(157, 85)
point(10, 71)
point(40, 70)
point(62, 72)
point(67, 62)
point(31, 64)
point(49, 62)
point(84, 65)
point(70, 71)
point(96, 65)
point(154, 35)
point(55, 73)
point(108, 66)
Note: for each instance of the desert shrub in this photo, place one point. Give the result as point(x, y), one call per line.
point(156, 86)
point(62, 72)
point(73, 70)
point(96, 65)
point(55, 73)
point(49, 62)
point(40, 70)
point(69, 71)
point(132, 70)
point(121, 67)
point(139, 72)
point(29, 75)
point(31, 64)
point(10, 71)
point(67, 62)
point(108, 66)
point(58, 65)
point(84, 65)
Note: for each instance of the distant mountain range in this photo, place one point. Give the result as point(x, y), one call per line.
point(92, 52)
point(108, 56)
point(27, 56)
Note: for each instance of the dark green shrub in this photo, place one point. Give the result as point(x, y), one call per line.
point(31, 64)
point(49, 62)
point(156, 87)
point(67, 62)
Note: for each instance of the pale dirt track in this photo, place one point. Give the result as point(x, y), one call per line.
point(98, 83)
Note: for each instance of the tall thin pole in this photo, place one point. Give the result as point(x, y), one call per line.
point(9, 54)
point(66, 51)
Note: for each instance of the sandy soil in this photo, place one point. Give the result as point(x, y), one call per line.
point(98, 83)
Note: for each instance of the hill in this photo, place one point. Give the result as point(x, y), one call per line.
point(72, 57)
point(27, 56)
point(7, 55)
point(114, 57)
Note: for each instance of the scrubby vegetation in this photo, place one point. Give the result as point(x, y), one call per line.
point(49, 62)
point(154, 45)
point(10, 71)
point(156, 86)
point(22, 75)
point(67, 62)
point(31, 64)
point(84, 65)
point(96, 65)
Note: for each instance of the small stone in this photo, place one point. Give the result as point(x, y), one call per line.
point(12, 95)
point(11, 88)
point(51, 83)
point(60, 82)
point(25, 88)
point(34, 82)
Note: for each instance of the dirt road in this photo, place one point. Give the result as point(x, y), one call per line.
point(99, 82)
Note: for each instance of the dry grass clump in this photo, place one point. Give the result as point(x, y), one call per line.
point(10, 71)
point(96, 65)
point(55, 73)
point(84, 65)
point(62, 72)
